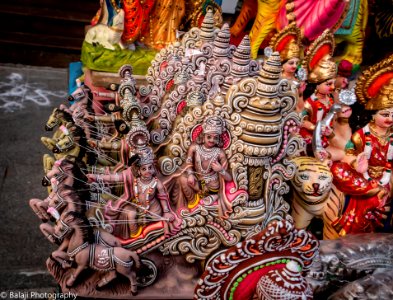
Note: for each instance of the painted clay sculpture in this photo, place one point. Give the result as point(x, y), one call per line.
point(288, 43)
point(365, 172)
point(321, 72)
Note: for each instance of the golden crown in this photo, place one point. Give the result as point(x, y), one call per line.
point(287, 42)
point(374, 88)
point(318, 60)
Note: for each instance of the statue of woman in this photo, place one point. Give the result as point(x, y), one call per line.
point(288, 43)
point(321, 77)
point(365, 172)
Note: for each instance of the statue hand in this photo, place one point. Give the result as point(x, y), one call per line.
point(382, 194)
point(302, 87)
point(216, 166)
point(169, 216)
point(361, 163)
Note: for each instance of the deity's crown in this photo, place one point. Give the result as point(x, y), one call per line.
point(287, 42)
point(318, 60)
point(146, 156)
point(374, 88)
point(213, 124)
point(138, 137)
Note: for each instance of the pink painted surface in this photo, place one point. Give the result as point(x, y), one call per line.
point(313, 17)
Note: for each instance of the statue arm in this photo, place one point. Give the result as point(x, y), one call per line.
point(307, 113)
point(116, 177)
point(105, 145)
point(163, 197)
point(225, 170)
point(189, 166)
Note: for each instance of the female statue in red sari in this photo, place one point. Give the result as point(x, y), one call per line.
point(321, 77)
point(365, 173)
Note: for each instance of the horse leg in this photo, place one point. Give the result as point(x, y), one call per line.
point(42, 207)
point(48, 143)
point(108, 277)
point(33, 204)
point(74, 275)
point(48, 231)
point(62, 258)
point(126, 262)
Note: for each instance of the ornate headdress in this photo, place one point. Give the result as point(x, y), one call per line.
point(287, 42)
point(374, 87)
point(146, 156)
point(138, 137)
point(318, 60)
point(213, 124)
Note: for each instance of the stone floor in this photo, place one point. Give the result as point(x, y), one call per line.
point(27, 97)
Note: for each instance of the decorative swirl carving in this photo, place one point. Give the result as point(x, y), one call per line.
point(190, 38)
point(238, 96)
point(169, 165)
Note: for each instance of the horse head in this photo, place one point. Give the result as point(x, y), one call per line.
point(66, 170)
point(64, 144)
point(74, 222)
point(69, 139)
point(53, 121)
point(57, 116)
point(82, 93)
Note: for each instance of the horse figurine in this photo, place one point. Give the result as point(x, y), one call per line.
point(71, 143)
point(65, 175)
point(58, 117)
point(106, 35)
point(82, 96)
point(84, 253)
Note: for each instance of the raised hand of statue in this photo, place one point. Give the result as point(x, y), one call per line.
point(216, 166)
point(361, 163)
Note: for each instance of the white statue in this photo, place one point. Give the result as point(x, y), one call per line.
point(106, 35)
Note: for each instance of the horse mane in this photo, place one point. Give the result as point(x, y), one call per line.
point(72, 195)
point(80, 178)
point(84, 226)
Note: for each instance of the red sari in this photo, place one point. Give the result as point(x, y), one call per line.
point(366, 207)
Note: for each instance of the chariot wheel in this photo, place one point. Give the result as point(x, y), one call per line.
point(124, 70)
point(147, 273)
